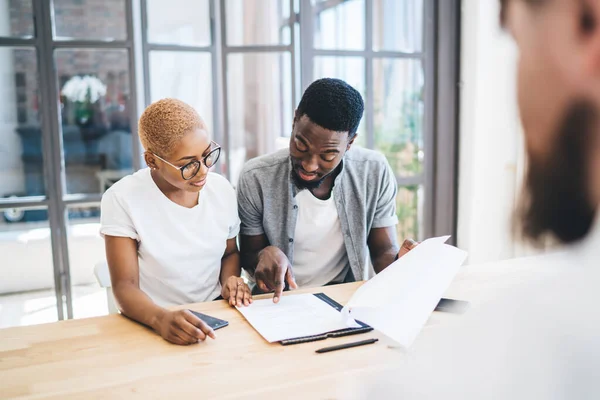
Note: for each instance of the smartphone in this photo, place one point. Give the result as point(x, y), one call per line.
point(214, 323)
point(452, 306)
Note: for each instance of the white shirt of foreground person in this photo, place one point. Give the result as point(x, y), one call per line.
point(179, 248)
point(540, 340)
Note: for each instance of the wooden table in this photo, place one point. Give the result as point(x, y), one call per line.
point(112, 357)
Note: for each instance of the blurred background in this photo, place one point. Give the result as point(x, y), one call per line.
point(75, 75)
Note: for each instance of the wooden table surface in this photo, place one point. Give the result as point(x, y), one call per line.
point(112, 357)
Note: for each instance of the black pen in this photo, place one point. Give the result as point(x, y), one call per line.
point(346, 346)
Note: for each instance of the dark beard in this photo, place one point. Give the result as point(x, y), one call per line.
point(556, 202)
point(302, 184)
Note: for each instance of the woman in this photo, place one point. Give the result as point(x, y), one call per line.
point(170, 229)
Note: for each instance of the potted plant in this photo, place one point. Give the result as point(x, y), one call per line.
point(83, 92)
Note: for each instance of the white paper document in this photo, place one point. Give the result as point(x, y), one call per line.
point(399, 300)
point(294, 316)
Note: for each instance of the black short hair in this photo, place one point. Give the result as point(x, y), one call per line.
point(332, 104)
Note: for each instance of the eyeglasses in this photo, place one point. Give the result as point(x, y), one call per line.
point(190, 170)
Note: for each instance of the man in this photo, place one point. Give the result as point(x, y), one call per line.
point(540, 340)
point(319, 205)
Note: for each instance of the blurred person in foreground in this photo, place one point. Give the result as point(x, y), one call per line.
point(540, 340)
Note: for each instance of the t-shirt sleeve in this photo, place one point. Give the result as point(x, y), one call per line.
point(250, 207)
point(385, 212)
point(114, 217)
point(234, 224)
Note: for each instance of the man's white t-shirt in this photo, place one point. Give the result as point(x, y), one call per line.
point(319, 251)
point(179, 248)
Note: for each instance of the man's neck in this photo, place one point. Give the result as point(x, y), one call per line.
point(323, 192)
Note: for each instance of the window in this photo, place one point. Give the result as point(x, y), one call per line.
point(359, 41)
point(66, 84)
point(265, 51)
point(71, 75)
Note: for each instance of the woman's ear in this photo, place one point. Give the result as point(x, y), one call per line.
point(150, 160)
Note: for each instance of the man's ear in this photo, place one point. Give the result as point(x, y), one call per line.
point(351, 141)
point(589, 30)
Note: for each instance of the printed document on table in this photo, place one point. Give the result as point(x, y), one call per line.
point(399, 300)
point(294, 316)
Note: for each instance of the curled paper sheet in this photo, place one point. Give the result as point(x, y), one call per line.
point(399, 300)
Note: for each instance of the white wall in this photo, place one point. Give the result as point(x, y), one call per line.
point(490, 136)
point(26, 263)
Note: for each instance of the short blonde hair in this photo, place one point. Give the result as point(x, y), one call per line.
point(164, 122)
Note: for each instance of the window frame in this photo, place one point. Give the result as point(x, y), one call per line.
point(441, 52)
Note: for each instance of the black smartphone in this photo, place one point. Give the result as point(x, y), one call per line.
point(452, 306)
point(214, 323)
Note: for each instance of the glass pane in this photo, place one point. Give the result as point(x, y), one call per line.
point(168, 23)
point(90, 19)
point(257, 22)
point(350, 70)
point(16, 18)
point(409, 208)
point(259, 105)
point(27, 294)
point(21, 158)
point(398, 25)
point(95, 115)
point(86, 248)
point(185, 76)
point(398, 113)
point(339, 25)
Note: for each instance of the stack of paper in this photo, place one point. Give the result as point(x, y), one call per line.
point(397, 302)
point(294, 316)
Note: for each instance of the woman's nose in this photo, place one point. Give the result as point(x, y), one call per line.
point(203, 169)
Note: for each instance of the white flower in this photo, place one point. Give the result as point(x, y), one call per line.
point(76, 89)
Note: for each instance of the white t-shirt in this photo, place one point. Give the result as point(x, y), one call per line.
point(319, 251)
point(179, 248)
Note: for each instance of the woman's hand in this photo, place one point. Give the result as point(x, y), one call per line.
point(182, 327)
point(236, 292)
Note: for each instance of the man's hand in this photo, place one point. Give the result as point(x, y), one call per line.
point(236, 292)
point(272, 271)
point(183, 328)
point(407, 246)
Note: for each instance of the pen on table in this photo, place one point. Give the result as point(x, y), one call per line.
point(346, 346)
